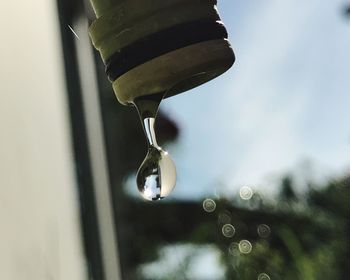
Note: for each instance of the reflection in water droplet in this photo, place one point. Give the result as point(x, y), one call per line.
point(233, 249)
point(228, 230)
point(156, 176)
point(245, 247)
point(209, 205)
point(264, 230)
point(263, 276)
point(246, 193)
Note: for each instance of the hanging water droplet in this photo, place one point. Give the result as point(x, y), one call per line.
point(156, 176)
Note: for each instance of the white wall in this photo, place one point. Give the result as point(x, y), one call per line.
point(39, 217)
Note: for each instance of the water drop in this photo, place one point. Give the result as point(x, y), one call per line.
point(224, 217)
point(246, 193)
point(264, 231)
point(209, 205)
point(263, 276)
point(233, 249)
point(245, 247)
point(156, 176)
point(228, 230)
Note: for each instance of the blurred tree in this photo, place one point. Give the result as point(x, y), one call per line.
point(287, 193)
point(308, 244)
point(347, 11)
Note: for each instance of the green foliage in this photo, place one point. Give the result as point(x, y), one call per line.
point(308, 241)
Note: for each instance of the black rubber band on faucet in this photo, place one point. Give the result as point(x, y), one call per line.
point(161, 43)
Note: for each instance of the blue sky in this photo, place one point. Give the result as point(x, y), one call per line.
point(283, 107)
